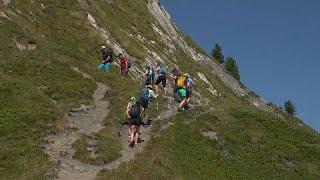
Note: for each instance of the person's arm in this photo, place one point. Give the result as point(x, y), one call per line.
point(128, 110)
point(153, 95)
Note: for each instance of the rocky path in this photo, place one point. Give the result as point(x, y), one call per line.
point(87, 120)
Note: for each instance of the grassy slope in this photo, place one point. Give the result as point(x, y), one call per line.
point(69, 42)
point(259, 145)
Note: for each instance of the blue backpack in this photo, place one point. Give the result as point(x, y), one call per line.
point(144, 96)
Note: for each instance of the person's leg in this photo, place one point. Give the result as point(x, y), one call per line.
point(129, 130)
point(101, 66)
point(146, 115)
point(182, 104)
point(136, 138)
point(133, 130)
point(156, 84)
point(107, 67)
point(164, 84)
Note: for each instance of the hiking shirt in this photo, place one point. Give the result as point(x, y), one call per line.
point(107, 56)
point(152, 94)
point(123, 62)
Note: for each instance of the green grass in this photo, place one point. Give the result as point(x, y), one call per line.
point(26, 115)
point(38, 87)
point(255, 140)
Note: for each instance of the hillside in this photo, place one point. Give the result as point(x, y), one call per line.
point(61, 118)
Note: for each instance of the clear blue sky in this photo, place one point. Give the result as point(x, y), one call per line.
point(276, 44)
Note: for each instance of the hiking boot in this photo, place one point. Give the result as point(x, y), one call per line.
point(180, 109)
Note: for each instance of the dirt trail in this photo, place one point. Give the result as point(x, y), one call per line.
point(87, 120)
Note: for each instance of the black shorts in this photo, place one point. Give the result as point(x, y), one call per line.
point(135, 121)
point(189, 93)
point(144, 104)
point(162, 79)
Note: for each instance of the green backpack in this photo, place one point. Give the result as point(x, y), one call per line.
point(163, 69)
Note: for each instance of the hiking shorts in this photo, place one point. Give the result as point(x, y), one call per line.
point(182, 93)
point(135, 121)
point(145, 105)
point(162, 79)
point(189, 93)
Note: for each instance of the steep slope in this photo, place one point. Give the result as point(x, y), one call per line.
point(45, 135)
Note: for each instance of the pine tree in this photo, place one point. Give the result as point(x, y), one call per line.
point(232, 68)
point(289, 107)
point(217, 54)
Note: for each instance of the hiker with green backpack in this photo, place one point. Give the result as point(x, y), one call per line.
point(146, 96)
point(162, 77)
point(133, 113)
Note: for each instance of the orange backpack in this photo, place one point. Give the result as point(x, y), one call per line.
point(181, 82)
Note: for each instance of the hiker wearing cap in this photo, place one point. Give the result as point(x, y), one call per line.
point(124, 64)
point(107, 59)
point(162, 77)
point(146, 96)
point(133, 113)
point(149, 76)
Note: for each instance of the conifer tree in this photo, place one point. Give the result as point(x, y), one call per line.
point(232, 68)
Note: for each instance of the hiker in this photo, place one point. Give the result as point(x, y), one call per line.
point(162, 77)
point(149, 76)
point(175, 75)
point(189, 85)
point(133, 112)
point(107, 59)
point(182, 93)
point(124, 65)
point(146, 96)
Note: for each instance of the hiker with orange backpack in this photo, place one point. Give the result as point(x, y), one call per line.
point(181, 95)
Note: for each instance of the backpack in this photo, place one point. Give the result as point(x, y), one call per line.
point(144, 96)
point(181, 82)
point(135, 110)
point(163, 69)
